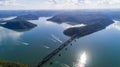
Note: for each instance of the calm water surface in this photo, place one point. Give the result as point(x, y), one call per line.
point(100, 49)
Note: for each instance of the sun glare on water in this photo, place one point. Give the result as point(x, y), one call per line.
point(82, 60)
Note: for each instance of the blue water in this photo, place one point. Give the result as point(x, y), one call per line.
point(100, 49)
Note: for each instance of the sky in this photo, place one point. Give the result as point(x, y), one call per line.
point(58, 4)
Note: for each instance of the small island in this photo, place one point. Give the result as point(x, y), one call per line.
point(17, 24)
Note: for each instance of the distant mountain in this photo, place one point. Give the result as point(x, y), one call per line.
point(18, 24)
point(27, 17)
point(77, 18)
point(114, 14)
point(39, 13)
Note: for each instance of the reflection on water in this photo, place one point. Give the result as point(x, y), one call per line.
point(115, 25)
point(6, 34)
point(8, 18)
point(66, 26)
point(81, 60)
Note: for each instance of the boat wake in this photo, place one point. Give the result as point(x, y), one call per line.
point(56, 38)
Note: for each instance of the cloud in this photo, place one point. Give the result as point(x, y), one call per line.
point(102, 2)
point(10, 3)
point(91, 2)
point(61, 4)
point(86, 1)
point(7, 2)
point(83, 4)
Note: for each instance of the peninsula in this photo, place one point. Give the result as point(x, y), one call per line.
point(93, 22)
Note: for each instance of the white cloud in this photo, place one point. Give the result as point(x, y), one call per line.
point(86, 1)
point(10, 4)
point(7, 2)
point(80, 4)
point(61, 4)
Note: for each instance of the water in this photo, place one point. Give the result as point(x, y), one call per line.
point(100, 49)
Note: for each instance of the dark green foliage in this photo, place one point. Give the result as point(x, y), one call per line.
point(94, 23)
point(18, 24)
